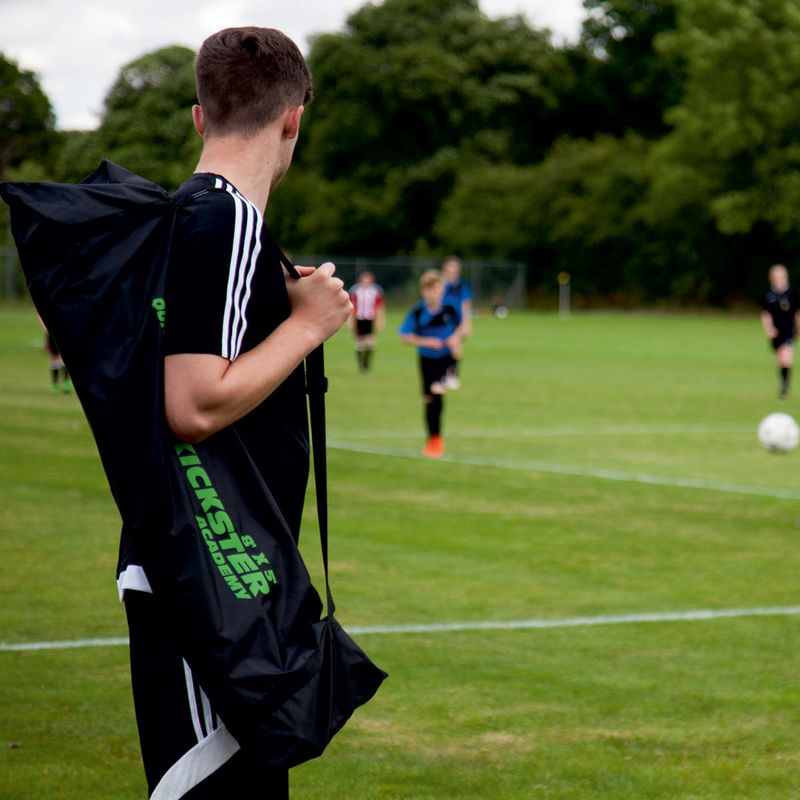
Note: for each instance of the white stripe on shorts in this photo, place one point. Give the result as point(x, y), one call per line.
point(193, 767)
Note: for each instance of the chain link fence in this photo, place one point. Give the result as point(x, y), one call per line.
point(493, 283)
point(12, 281)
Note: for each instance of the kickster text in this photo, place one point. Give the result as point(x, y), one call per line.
point(245, 569)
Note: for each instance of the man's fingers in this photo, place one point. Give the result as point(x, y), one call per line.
point(325, 269)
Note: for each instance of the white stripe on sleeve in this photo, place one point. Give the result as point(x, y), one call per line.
point(243, 265)
point(251, 270)
point(235, 263)
point(246, 248)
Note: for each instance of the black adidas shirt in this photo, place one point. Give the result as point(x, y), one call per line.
point(225, 294)
point(782, 307)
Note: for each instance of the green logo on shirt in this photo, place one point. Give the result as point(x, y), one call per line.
point(161, 310)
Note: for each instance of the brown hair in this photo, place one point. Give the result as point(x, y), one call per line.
point(247, 77)
point(429, 278)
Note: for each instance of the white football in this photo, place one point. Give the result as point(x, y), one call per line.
point(779, 433)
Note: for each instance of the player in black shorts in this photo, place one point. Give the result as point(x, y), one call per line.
point(368, 316)
point(236, 333)
point(779, 318)
point(432, 326)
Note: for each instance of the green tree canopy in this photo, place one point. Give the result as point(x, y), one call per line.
point(407, 94)
point(408, 78)
point(658, 157)
point(735, 149)
point(26, 117)
point(147, 123)
point(617, 80)
point(579, 211)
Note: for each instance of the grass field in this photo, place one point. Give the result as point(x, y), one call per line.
point(605, 465)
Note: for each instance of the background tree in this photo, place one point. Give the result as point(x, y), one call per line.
point(579, 211)
point(659, 157)
point(27, 137)
point(736, 143)
point(26, 118)
point(146, 124)
point(621, 81)
point(408, 94)
point(582, 208)
point(733, 157)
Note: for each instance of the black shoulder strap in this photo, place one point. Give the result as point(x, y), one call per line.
point(316, 387)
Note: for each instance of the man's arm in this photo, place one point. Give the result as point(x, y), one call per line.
point(769, 326)
point(380, 313)
point(431, 342)
point(206, 393)
point(465, 328)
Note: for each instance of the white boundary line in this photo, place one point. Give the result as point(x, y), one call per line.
point(522, 465)
point(61, 644)
point(582, 622)
point(486, 625)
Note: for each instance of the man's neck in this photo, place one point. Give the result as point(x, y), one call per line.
point(249, 164)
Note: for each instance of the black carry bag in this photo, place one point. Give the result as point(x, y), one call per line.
point(282, 677)
point(93, 256)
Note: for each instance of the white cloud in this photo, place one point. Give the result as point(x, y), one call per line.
point(78, 46)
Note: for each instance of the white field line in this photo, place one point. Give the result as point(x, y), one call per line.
point(486, 625)
point(523, 465)
point(585, 431)
point(581, 622)
point(65, 644)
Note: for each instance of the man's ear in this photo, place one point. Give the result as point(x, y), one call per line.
point(199, 120)
point(291, 122)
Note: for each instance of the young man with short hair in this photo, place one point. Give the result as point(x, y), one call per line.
point(779, 320)
point(236, 333)
point(432, 326)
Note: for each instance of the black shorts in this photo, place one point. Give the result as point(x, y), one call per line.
point(782, 339)
point(363, 327)
point(432, 370)
point(187, 751)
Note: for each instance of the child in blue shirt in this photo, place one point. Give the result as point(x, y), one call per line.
point(432, 326)
point(458, 292)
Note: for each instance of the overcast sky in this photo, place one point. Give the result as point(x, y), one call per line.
point(77, 46)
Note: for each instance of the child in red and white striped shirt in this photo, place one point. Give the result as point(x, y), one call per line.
point(368, 316)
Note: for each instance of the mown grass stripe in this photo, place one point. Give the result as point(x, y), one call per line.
point(555, 431)
point(579, 472)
